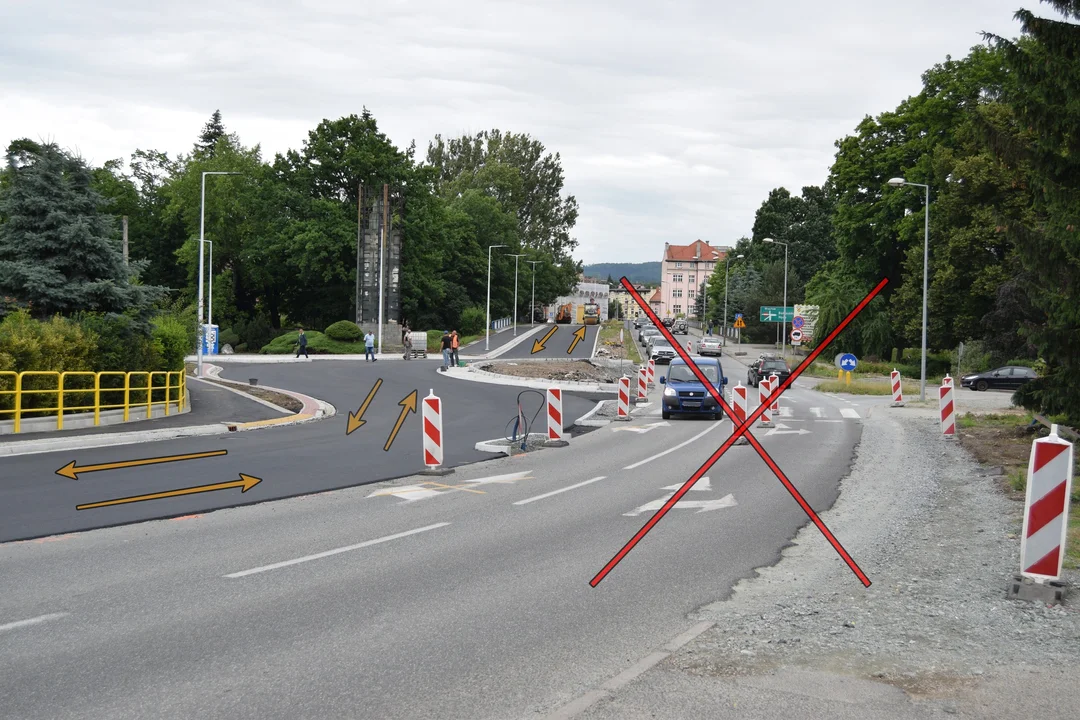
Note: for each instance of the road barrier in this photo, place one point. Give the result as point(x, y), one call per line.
point(1046, 507)
point(433, 432)
point(652, 372)
point(774, 382)
point(764, 395)
point(897, 389)
point(643, 384)
point(948, 410)
point(947, 381)
point(554, 415)
point(624, 398)
point(738, 394)
point(88, 392)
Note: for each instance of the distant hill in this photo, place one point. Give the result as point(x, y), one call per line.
point(646, 272)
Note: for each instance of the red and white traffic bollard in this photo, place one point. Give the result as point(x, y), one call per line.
point(643, 384)
point(690, 347)
point(555, 435)
point(897, 389)
point(431, 416)
point(738, 394)
point(774, 384)
point(652, 373)
point(624, 398)
point(947, 381)
point(948, 410)
point(1046, 508)
point(764, 390)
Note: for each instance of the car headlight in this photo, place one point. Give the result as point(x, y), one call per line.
point(670, 392)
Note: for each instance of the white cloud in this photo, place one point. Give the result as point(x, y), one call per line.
point(673, 120)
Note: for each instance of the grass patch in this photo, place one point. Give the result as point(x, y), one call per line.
point(1004, 440)
point(434, 340)
point(609, 338)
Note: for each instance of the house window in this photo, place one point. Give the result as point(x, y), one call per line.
point(678, 309)
point(678, 264)
point(676, 293)
point(692, 278)
point(691, 293)
point(676, 277)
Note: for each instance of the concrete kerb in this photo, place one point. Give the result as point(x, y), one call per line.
point(483, 376)
point(587, 420)
point(505, 348)
point(313, 410)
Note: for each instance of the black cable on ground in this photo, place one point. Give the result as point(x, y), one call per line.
point(520, 423)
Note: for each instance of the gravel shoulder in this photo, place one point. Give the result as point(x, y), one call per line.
point(933, 636)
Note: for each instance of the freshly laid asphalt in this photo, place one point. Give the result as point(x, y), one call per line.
point(307, 458)
point(483, 611)
point(558, 345)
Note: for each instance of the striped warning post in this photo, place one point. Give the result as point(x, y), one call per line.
point(554, 414)
point(1046, 508)
point(643, 384)
point(764, 390)
point(624, 398)
point(947, 381)
point(652, 373)
point(774, 383)
point(897, 388)
point(948, 410)
point(738, 394)
point(433, 432)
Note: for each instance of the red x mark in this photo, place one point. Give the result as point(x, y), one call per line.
point(741, 430)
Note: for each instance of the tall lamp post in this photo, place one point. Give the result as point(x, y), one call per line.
point(727, 276)
point(532, 305)
point(898, 182)
point(487, 315)
point(210, 285)
point(704, 290)
point(783, 335)
point(515, 289)
point(202, 269)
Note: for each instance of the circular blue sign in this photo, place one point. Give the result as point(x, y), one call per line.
point(848, 362)
point(797, 322)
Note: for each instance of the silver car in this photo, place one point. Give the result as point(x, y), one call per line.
point(710, 346)
point(662, 352)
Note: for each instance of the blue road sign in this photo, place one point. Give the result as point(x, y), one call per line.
point(848, 362)
point(797, 322)
point(738, 316)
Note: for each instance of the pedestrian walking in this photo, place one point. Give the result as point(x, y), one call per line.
point(455, 343)
point(301, 345)
point(369, 346)
point(447, 349)
point(405, 330)
point(406, 340)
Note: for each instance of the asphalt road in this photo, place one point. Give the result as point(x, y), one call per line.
point(558, 344)
point(312, 457)
point(496, 340)
point(467, 599)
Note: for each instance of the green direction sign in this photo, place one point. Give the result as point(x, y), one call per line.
point(777, 313)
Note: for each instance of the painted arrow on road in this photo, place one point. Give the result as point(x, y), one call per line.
point(579, 335)
point(782, 429)
point(538, 345)
point(641, 429)
point(701, 505)
point(509, 478)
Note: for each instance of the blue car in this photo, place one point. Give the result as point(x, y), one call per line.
point(685, 395)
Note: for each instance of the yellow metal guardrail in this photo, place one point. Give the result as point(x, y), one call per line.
point(35, 393)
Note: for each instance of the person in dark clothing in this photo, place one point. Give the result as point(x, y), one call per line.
point(447, 350)
point(301, 345)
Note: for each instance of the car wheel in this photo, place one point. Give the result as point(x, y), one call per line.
point(665, 415)
point(982, 385)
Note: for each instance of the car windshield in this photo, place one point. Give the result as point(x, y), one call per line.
point(683, 373)
point(663, 345)
point(773, 365)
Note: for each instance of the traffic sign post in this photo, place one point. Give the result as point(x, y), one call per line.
point(797, 322)
point(796, 337)
point(777, 313)
point(739, 322)
point(846, 364)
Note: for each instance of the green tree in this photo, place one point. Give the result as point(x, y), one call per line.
point(57, 247)
point(213, 131)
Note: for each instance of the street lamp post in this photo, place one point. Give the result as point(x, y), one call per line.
point(727, 277)
point(487, 315)
point(202, 268)
point(210, 286)
point(532, 305)
point(705, 290)
point(515, 289)
point(783, 314)
point(897, 182)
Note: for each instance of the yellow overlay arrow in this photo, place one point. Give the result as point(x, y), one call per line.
point(246, 482)
point(71, 471)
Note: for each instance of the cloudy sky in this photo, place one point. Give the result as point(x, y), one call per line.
point(673, 120)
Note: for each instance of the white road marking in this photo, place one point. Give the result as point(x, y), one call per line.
point(681, 445)
point(560, 490)
point(335, 551)
point(408, 493)
point(849, 413)
point(817, 412)
point(32, 621)
point(683, 504)
point(829, 421)
point(509, 478)
point(642, 429)
point(800, 431)
point(702, 484)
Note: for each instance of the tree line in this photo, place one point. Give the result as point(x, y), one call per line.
point(996, 136)
point(284, 229)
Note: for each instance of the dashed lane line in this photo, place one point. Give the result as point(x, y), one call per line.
point(32, 621)
point(526, 501)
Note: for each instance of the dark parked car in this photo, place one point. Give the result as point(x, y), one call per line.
point(667, 322)
point(1003, 378)
point(765, 367)
point(683, 392)
point(679, 326)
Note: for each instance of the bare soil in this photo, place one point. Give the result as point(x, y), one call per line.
point(280, 399)
point(573, 370)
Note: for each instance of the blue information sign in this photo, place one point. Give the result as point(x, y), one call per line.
point(848, 362)
point(797, 322)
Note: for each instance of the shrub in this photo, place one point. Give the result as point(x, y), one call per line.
point(170, 342)
point(343, 331)
point(472, 321)
point(228, 336)
point(256, 332)
point(122, 343)
point(242, 347)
